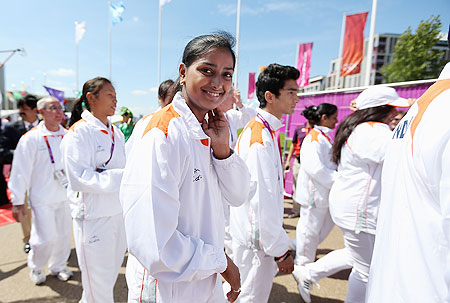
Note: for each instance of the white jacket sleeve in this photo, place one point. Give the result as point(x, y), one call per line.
point(239, 118)
point(22, 168)
point(313, 157)
point(78, 154)
point(150, 196)
point(444, 197)
point(273, 239)
point(370, 144)
point(234, 179)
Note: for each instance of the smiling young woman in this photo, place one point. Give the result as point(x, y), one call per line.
point(177, 173)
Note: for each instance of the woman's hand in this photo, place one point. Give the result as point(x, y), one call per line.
point(232, 276)
point(217, 129)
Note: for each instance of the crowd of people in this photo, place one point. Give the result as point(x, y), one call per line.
point(200, 209)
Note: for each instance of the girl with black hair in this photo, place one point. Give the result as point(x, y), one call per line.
point(176, 174)
point(359, 150)
point(316, 176)
point(94, 157)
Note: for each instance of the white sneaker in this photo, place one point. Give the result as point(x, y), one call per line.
point(63, 275)
point(37, 276)
point(300, 274)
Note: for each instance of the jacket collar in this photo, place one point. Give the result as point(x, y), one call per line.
point(45, 132)
point(273, 121)
point(86, 115)
point(325, 129)
point(194, 127)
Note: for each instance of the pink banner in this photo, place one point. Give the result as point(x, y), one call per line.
point(251, 85)
point(304, 63)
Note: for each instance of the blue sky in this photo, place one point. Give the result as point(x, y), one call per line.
point(270, 32)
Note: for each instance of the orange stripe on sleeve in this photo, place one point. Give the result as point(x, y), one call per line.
point(161, 119)
point(314, 135)
point(424, 101)
point(72, 128)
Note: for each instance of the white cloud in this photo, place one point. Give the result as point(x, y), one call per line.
point(231, 9)
point(135, 19)
point(62, 72)
point(141, 92)
point(227, 9)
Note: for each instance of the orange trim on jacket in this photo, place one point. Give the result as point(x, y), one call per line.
point(161, 119)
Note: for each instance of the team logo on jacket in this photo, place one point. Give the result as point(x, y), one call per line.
point(400, 131)
point(197, 175)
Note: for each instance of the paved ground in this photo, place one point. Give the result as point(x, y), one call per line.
point(15, 286)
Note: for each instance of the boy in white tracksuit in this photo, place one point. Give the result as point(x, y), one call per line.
point(171, 195)
point(411, 256)
point(257, 226)
point(37, 170)
point(94, 158)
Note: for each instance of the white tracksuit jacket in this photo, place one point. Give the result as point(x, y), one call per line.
point(171, 196)
point(258, 223)
point(93, 140)
point(32, 170)
point(411, 258)
point(355, 194)
point(33, 173)
point(238, 119)
point(317, 172)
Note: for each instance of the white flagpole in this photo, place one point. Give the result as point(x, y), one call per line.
point(110, 40)
point(341, 48)
point(238, 28)
point(159, 43)
point(373, 17)
point(76, 57)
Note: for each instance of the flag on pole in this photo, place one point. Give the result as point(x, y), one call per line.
point(58, 94)
point(116, 12)
point(304, 63)
point(251, 85)
point(353, 52)
point(80, 29)
point(162, 2)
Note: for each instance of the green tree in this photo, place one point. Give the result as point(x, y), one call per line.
point(413, 58)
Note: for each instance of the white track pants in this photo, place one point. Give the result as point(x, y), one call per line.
point(50, 237)
point(100, 245)
point(313, 227)
point(257, 272)
point(360, 247)
point(143, 288)
point(331, 263)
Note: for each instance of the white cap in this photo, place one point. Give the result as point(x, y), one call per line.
point(380, 95)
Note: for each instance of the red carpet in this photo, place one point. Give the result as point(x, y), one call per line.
point(6, 215)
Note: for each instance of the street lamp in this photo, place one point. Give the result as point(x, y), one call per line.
point(2, 79)
point(12, 52)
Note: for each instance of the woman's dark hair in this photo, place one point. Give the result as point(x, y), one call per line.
point(272, 79)
point(314, 113)
point(376, 114)
point(164, 88)
point(92, 86)
point(201, 45)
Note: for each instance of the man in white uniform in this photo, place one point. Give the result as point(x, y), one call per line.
point(37, 170)
point(411, 258)
point(259, 241)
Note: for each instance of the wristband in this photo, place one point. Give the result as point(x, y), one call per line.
point(283, 257)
